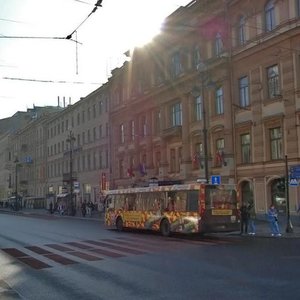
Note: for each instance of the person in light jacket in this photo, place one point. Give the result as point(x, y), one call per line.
point(252, 218)
point(273, 219)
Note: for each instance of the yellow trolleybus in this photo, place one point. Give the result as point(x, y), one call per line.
point(185, 208)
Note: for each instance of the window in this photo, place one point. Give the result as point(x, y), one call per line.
point(176, 66)
point(157, 161)
point(106, 130)
point(245, 148)
point(100, 107)
point(270, 21)
point(172, 160)
point(100, 160)
point(219, 101)
point(94, 134)
point(198, 108)
point(83, 116)
point(89, 136)
point(132, 130)
point(244, 91)
point(157, 118)
point(159, 73)
point(276, 143)
point(89, 161)
point(100, 132)
point(89, 114)
point(218, 44)
point(94, 111)
point(273, 81)
point(122, 134)
point(144, 126)
point(83, 138)
point(176, 114)
point(242, 30)
point(196, 58)
point(198, 156)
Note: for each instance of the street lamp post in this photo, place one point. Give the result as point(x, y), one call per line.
point(16, 183)
point(204, 134)
point(71, 140)
point(289, 226)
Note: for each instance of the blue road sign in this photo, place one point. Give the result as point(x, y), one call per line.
point(295, 171)
point(216, 179)
point(294, 182)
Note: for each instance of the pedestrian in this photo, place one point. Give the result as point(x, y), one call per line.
point(252, 218)
point(89, 208)
point(51, 207)
point(273, 219)
point(244, 218)
point(83, 209)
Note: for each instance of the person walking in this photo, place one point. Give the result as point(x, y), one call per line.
point(244, 218)
point(252, 218)
point(273, 219)
point(83, 208)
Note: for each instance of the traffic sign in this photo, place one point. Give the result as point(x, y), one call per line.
point(294, 182)
point(216, 179)
point(295, 171)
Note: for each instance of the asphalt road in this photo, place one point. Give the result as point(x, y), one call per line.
point(64, 258)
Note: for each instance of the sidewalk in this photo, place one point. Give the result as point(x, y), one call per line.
point(262, 225)
point(96, 216)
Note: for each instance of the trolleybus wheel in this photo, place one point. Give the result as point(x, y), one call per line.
point(119, 224)
point(165, 227)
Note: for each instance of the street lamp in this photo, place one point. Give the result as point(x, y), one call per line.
point(71, 140)
point(289, 226)
point(16, 183)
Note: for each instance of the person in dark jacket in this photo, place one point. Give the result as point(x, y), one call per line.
point(83, 208)
point(244, 218)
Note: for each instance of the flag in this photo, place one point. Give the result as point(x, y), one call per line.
point(220, 158)
point(130, 172)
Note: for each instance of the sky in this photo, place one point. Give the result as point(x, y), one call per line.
point(37, 63)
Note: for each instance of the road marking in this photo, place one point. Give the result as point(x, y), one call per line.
point(118, 248)
point(26, 259)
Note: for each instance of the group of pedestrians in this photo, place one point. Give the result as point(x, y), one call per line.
point(248, 217)
point(87, 208)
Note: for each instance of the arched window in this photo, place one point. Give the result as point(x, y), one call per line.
point(270, 20)
point(242, 30)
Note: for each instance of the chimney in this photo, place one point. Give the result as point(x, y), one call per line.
point(64, 102)
point(58, 104)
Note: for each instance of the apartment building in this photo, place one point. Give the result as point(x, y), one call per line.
point(78, 148)
point(222, 75)
point(22, 156)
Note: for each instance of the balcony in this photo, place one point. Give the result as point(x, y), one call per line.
point(175, 131)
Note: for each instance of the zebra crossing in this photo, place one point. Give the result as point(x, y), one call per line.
point(46, 256)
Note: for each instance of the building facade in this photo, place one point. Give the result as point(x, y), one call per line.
point(222, 75)
point(77, 149)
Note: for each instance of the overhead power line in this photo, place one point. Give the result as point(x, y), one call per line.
point(98, 4)
point(49, 81)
